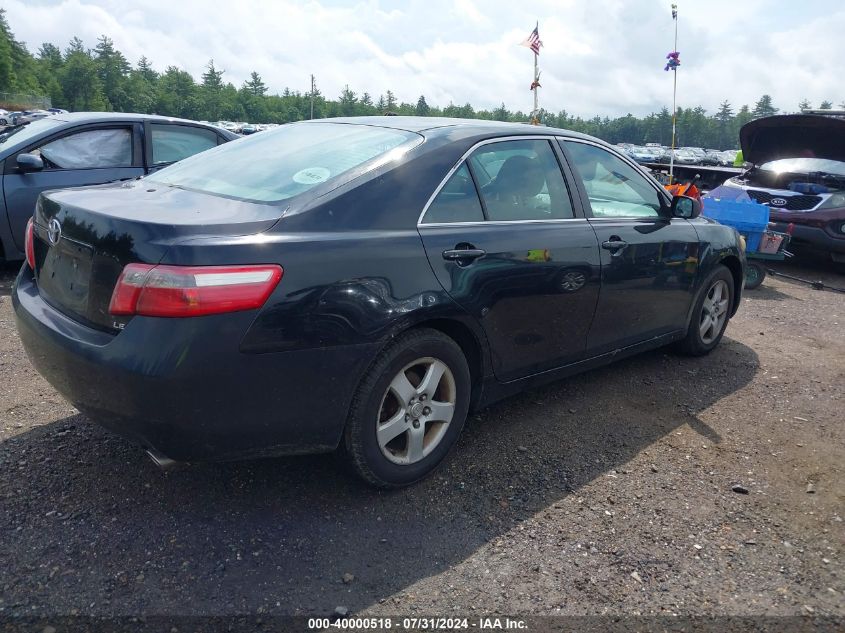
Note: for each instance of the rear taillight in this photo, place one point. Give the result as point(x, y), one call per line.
point(29, 244)
point(186, 291)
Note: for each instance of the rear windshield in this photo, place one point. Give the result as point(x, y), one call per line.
point(278, 164)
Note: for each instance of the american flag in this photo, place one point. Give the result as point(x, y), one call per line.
point(533, 41)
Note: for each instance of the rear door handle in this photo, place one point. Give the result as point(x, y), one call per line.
point(467, 254)
point(614, 244)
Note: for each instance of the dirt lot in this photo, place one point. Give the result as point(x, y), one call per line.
point(609, 493)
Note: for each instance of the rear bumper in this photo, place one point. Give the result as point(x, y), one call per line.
point(183, 388)
point(813, 236)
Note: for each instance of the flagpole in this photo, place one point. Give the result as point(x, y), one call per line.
point(674, 106)
point(534, 119)
point(312, 96)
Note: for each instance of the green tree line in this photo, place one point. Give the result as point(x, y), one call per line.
point(102, 79)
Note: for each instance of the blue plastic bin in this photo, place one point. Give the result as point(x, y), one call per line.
point(752, 240)
point(749, 218)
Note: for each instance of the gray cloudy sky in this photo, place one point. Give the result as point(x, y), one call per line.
point(600, 56)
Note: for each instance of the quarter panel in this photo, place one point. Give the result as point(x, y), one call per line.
point(338, 288)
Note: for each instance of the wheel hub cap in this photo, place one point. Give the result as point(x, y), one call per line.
point(416, 409)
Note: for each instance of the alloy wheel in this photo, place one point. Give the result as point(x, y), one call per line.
point(714, 311)
point(416, 410)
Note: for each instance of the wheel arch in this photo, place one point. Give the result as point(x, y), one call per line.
point(734, 265)
point(471, 345)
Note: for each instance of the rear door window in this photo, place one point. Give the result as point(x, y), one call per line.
point(521, 180)
point(89, 149)
point(457, 201)
point(171, 143)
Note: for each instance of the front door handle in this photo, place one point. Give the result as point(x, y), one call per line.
point(463, 254)
point(615, 243)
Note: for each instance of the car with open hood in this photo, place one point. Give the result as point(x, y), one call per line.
point(361, 283)
point(798, 171)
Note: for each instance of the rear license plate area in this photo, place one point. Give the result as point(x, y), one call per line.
point(65, 275)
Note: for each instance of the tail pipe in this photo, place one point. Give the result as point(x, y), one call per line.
point(163, 461)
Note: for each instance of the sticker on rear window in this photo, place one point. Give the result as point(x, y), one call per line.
point(311, 176)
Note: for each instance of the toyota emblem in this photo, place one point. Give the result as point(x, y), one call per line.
point(778, 202)
point(54, 231)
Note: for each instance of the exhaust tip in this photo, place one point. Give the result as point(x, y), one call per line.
point(163, 461)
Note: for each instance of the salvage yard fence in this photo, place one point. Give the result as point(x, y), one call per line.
point(19, 101)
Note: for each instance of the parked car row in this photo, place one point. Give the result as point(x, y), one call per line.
point(654, 153)
point(243, 127)
point(26, 116)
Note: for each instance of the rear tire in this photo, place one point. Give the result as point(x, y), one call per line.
point(408, 410)
point(711, 313)
point(754, 275)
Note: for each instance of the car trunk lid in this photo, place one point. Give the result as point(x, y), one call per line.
point(83, 238)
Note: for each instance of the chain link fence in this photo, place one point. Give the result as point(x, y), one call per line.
point(19, 101)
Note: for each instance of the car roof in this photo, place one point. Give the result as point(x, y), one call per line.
point(85, 117)
point(433, 125)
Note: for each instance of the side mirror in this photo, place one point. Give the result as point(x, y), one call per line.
point(685, 207)
point(30, 162)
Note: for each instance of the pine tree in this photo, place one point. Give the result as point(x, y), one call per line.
point(255, 86)
point(390, 101)
point(80, 80)
point(145, 68)
point(826, 105)
point(724, 118)
point(764, 107)
point(422, 108)
point(805, 105)
point(112, 69)
point(212, 79)
point(211, 90)
point(49, 64)
point(177, 94)
point(7, 76)
point(347, 102)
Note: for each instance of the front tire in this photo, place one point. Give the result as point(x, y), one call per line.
point(409, 409)
point(710, 314)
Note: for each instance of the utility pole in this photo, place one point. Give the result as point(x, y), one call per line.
point(312, 96)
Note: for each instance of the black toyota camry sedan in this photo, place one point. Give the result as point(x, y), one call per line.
point(361, 284)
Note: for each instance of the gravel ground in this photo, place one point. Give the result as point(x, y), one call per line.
point(608, 493)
